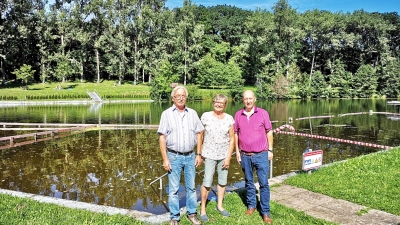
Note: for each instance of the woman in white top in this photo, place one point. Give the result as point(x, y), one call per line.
point(217, 148)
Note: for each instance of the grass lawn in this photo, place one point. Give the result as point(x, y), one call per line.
point(371, 180)
point(26, 211)
point(74, 91)
point(108, 90)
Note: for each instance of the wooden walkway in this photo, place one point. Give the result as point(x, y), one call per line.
point(395, 103)
point(53, 130)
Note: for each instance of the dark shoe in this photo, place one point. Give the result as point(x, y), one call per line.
point(193, 219)
point(174, 222)
point(204, 218)
point(250, 211)
point(223, 212)
point(267, 219)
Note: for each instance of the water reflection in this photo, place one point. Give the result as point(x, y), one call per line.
point(115, 167)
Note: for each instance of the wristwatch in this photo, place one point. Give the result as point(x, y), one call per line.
point(270, 150)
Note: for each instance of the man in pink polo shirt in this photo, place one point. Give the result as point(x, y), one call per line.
point(254, 144)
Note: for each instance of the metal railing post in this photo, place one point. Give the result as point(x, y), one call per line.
point(270, 169)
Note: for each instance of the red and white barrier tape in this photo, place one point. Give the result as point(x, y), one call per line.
point(279, 130)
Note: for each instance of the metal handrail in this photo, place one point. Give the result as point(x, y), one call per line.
point(159, 178)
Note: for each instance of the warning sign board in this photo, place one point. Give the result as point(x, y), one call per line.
point(312, 160)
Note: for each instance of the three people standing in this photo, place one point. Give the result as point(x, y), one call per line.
point(181, 130)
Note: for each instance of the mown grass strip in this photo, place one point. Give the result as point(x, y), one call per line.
point(78, 91)
point(17, 210)
point(74, 91)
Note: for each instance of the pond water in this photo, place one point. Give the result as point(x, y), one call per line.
point(115, 167)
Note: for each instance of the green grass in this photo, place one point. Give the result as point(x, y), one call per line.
point(26, 211)
point(371, 180)
point(74, 91)
point(78, 91)
point(16, 211)
point(234, 203)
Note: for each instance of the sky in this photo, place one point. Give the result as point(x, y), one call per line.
point(301, 6)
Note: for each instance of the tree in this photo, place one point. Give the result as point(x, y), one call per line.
point(339, 80)
point(161, 84)
point(187, 35)
point(234, 80)
point(258, 27)
point(319, 89)
point(365, 82)
point(286, 35)
point(389, 77)
point(317, 26)
point(25, 74)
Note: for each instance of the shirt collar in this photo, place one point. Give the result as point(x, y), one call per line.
point(176, 108)
point(255, 110)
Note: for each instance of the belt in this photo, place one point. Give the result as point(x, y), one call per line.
point(252, 153)
point(180, 153)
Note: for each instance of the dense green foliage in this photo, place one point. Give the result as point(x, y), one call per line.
point(25, 74)
point(367, 180)
point(284, 53)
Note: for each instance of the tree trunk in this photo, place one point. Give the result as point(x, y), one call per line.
point(98, 65)
point(81, 71)
point(2, 71)
point(143, 75)
point(184, 80)
point(135, 66)
point(43, 73)
point(120, 74)
point(312, 67)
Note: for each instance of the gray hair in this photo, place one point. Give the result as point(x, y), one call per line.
point(220, 96)
point(179, 87)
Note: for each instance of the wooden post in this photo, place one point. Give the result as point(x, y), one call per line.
point(35, 136)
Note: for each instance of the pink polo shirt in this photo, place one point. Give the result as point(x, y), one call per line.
point(252, 132)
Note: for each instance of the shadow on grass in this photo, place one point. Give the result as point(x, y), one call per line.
point(11, 84)
point(241, 192)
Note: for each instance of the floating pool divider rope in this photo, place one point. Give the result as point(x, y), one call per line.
point(292, 131)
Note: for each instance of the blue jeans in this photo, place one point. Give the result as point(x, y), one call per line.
point(187, 164)
point(261, 164)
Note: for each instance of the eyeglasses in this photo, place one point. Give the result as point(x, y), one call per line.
point(183, 97)
point(219, 103)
